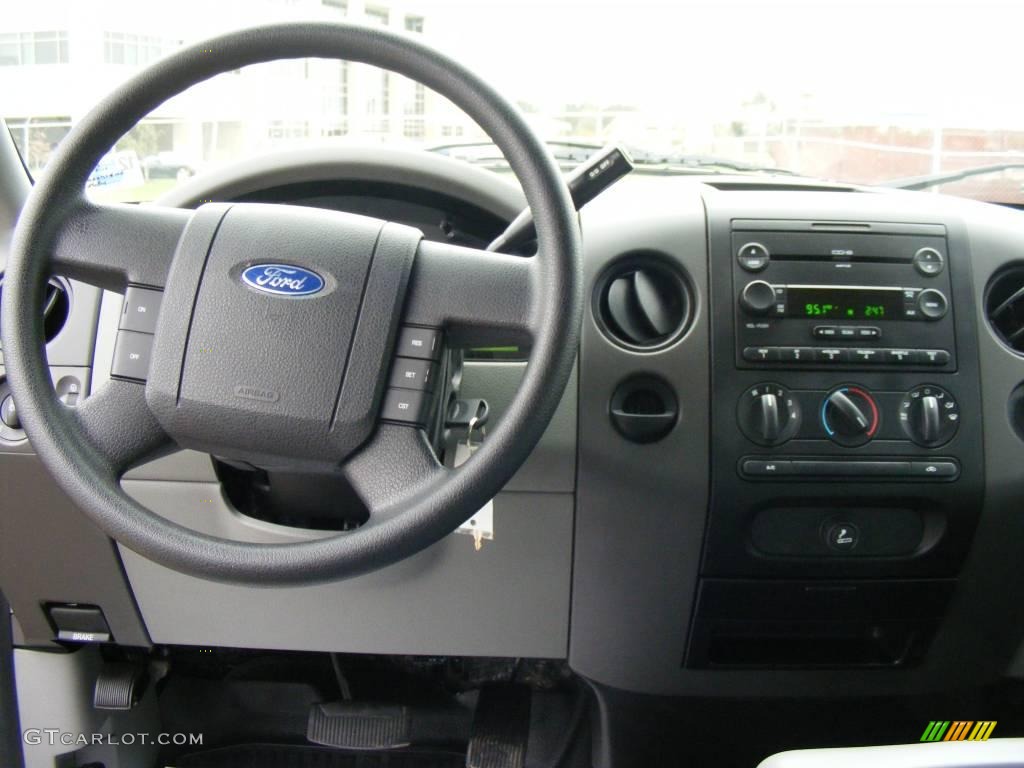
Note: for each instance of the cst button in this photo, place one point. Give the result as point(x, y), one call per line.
point(842, 537)
point(405, 406)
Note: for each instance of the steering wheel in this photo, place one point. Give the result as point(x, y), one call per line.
point(291, 378)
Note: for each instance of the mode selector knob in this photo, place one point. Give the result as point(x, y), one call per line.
point(850, 415)
point(929, 415)
point(757, 298)
point(768, 414)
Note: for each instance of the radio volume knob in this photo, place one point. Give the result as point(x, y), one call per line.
point(757, 298)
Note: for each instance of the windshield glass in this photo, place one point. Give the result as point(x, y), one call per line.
point(856, 92)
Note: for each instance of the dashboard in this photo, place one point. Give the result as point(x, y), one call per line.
point(790, 453)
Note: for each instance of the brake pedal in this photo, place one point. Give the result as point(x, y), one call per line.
point(501, 727)
point(119, 686)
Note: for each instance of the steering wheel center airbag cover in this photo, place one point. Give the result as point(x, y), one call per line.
point(254, 371)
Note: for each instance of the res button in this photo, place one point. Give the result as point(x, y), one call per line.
point(421, 343)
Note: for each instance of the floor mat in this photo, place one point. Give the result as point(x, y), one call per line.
point(282, 756)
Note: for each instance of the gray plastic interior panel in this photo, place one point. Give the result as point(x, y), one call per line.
point(1004, 753)
point(55, 691)
point(509, 599)
point(641, 509)
point(49, 551)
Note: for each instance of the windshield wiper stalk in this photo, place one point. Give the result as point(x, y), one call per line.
point(587, 181)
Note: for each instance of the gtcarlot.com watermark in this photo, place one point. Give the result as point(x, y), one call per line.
point(54, 737)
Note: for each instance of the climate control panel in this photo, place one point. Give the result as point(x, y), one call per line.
point(849, 415)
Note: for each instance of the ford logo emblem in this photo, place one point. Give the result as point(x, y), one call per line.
point(283, 280)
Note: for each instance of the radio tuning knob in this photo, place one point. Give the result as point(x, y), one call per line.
point(757, 297)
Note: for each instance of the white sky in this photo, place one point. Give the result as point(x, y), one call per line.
point(947, 60)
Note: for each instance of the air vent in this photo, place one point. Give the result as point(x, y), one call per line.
point(56, 307)
point(643, 302)
point(1004, 307)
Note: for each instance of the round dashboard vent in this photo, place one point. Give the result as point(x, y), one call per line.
point(643, 302)
point(56, 307)
point(1004, 307)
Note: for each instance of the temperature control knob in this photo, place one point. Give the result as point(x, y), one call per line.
point(849, 415)
point(757, 298)
point(768, 414)
point(929, 415)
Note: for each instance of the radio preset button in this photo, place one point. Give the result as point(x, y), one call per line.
point(929, 262)
point(865, 355)
point(796, 354)
point(761, 354)
point(753, 257)
point(898, 356)
point(929, 356)
point(830, 355)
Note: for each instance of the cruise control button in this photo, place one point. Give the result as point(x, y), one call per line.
point(132, 352)
point(934, 468)
point(761, 354)
point(405, 406)
point(409, 373)
point(422, 343)
point(140, 310)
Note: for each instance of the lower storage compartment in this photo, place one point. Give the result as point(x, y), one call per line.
point(812, 624)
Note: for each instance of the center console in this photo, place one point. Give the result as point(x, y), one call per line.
point(846, 442)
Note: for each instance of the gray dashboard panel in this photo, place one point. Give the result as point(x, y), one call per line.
point(640, 508)
point(509, 599)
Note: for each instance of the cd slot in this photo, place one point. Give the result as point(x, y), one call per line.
point(860, 258)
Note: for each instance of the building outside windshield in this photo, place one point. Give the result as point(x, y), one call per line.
point(854, 92)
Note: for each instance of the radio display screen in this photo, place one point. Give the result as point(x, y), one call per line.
point(838, 303)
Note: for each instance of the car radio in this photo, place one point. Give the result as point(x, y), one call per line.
point(834, 300)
